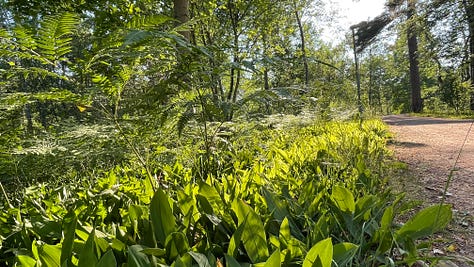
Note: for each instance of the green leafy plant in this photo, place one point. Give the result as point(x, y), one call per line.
point(308, 200)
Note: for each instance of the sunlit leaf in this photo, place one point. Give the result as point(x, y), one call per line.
point(274, 260)
point(343, 199)
point(320, 255)
point(26, 261)
point(426, 222)
point(49, 255)
point(161, 216)
point(253, 235)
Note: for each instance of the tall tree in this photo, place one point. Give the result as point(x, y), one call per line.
point(303, 45)
point(416, 101)
point(181, 13)
point(469, 9)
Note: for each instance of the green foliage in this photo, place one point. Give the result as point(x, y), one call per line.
point(103, 107)
point(312, 197)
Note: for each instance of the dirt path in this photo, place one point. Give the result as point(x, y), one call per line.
point(430, 148)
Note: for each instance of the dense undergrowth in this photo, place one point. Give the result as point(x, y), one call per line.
point(311, 195)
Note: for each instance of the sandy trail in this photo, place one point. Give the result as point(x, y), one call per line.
point(431, 148)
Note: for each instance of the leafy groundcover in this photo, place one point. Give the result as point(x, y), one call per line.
point(296, 196)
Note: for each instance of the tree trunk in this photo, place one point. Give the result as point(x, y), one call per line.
point(416, 101)
point(469, 8)
point(181, 13)
point(303, 48)
point(234, 72)
point(29, 119)
point(357, 73)
point(266, 84)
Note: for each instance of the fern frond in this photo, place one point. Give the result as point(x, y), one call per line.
point(56, 94)
point(104, 83)
point(32, 72)
point(10, 101)
point(147, 22)
point(188, 114)
point(54, 36)
point(4, 33)
point(137, 37)
point(24, 38)
point(20, 44)
point(13, 101)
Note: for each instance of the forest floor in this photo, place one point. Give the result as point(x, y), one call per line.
point(430, 148)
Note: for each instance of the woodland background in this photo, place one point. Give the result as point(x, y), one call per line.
point(106, 104)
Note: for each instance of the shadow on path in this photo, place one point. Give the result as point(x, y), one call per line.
point(405, 120)
point(407, 144)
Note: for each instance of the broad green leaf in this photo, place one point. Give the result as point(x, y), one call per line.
point(387, 219)
point(201, 259)
point(87, 258)
point(101, 243)
point(280, 211)
point(176, 245)
point(157, 252)
point(44, 227)
point(320, 255)
point(136, 258)
point(363, 207)
point(69, 233)
point(235, 240)
point(161, 216)
point(343, 253)
point(26, 261)
point(383, 236)
point(215, 200)
point(187, 204)
point(107, 260)
point(343, 199)
point(274, 260)
point(135, 212)
point(426, 222)
point(285, 234)
point(34, 249)
point(231, 261)
point(253, 235)
point(49, 255)
point(321, 229)
point(118, 245)
point(275, 206)
point(179, 263)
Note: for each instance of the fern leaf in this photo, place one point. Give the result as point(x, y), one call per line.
point(104, 83)
point(54, 36)
point(24, 38)
point(146, 22)
point(188, 114)
point(136, 37)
